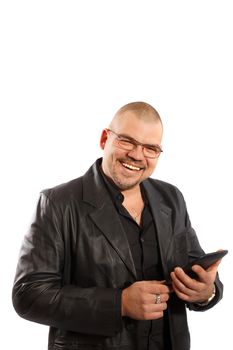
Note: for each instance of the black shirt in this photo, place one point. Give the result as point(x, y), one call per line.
point(145, 252)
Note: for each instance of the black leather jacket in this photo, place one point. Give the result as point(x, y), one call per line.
point(76, 257)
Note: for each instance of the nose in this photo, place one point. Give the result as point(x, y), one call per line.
point(136, 152)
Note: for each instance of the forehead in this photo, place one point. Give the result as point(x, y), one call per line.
point(145, 130)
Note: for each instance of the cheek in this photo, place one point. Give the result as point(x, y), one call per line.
point(151, 165)
point(110, 156)
point(117, 154)
point(108, 152)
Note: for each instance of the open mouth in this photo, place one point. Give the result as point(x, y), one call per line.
point(131, 167)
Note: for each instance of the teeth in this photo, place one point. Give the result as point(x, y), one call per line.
point(129, 166)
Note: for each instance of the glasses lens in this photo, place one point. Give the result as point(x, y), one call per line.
point(151, 152)
point(125, 144)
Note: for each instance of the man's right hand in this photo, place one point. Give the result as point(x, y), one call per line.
point(139, 300)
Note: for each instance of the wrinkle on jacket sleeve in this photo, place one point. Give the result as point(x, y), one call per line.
point(39, 293)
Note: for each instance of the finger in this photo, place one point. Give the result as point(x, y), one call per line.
point(163, 298)
point(206, 276)
point(181, 290)
point(150, 308)
point(216, 264)
point(182, 280)
point(182, 295)
point(158, 307)
point(157, 288)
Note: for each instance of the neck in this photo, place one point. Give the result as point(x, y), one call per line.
point(134, 203)
point(134, 192)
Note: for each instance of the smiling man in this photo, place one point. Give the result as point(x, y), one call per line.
point(102, 262)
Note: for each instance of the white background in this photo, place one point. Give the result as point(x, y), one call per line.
point(66, 67)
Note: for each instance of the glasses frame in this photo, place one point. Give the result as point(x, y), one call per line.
point(136, 143)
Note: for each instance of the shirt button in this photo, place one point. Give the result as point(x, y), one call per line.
point(142, 239)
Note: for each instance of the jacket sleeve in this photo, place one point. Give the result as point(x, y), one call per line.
point(195, 250)
point(187, 244)
point(40, 293)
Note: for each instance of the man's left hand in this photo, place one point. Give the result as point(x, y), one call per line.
point(194, 290)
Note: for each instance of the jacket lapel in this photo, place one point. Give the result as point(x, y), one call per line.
point(109, 223)
point(105, 217)
point(162, 219)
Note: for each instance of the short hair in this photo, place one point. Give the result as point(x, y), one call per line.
point(142, 110)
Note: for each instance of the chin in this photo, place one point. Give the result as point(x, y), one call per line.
point(123, 186)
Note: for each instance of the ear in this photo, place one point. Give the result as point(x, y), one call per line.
point(103, 138)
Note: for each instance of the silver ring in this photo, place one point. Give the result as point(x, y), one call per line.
point(157, 298)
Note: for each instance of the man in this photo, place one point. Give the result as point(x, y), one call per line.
point(102, 262)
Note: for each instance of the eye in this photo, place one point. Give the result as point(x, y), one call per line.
point(127, 144)
point(151, 150)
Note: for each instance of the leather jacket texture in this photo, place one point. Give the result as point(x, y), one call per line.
point(75, 258)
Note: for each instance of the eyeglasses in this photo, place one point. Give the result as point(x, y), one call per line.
point(128, 144)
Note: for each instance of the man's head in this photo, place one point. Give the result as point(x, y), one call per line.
point(132, 144)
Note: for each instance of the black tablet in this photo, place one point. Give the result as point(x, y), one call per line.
point(205, 261)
